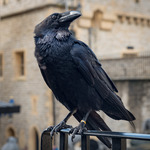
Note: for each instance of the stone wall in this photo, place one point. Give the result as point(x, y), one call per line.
point(17, 34)
point(13, 7)
point(132, 68)
point(139, 103)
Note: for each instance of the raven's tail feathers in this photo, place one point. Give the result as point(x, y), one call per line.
point(95, 117)
point(115, 109)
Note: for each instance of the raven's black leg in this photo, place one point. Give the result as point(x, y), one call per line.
point(81, 127)
point(62, 124)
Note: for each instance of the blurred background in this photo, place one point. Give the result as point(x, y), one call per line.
point(118, 31)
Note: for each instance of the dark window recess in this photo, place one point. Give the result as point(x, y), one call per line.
point(130, 47)
point(1, 65)
point(137, 1)
point(20, 64)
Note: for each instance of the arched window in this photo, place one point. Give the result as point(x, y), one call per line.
point(97, 19)
point(10, 132)
point(34, 139)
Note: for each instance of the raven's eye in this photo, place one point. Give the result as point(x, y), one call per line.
point(54, 17)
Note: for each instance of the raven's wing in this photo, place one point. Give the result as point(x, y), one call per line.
point(89, 65)
point(91, 70)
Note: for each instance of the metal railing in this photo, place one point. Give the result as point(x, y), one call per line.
point(118, 139)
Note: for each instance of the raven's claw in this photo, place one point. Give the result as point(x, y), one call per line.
point(79, 129)
point(58, 127)
point(50, 128)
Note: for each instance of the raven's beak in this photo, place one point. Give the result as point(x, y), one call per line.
point(69, 16)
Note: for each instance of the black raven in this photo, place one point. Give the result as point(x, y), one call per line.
point(76, 77)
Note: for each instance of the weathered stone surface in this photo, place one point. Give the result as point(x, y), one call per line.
point(136, 68)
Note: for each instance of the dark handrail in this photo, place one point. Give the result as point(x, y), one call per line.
point(126, 135)
point(118, 139)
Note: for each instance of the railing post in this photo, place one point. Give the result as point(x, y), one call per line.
point(118, 144)
point(63, 141)
point(46, 141)
point(85, 142)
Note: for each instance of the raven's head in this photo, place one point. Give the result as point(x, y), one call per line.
point(56, 21)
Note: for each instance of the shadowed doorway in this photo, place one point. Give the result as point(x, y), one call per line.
point(34, 139)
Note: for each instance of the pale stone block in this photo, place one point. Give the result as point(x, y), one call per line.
point(85, 23)
point(110, 17)
point(106, 25)
point(129, 53)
